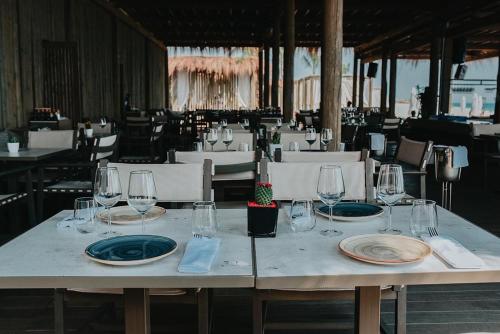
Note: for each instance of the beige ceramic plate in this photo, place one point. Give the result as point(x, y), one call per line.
point(385, 249)
point(123, 215)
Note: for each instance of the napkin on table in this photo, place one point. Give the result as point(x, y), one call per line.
point(199, 255)
point(453, 253)
point(377, 141)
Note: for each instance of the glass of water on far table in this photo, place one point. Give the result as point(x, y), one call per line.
point(310, 137)
point(142, 192)
point(390, 190)
point(227, 137)
point(107, 192)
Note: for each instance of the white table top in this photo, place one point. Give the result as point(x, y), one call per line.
point(32, 154)
point(46, 257)
point(309, 260)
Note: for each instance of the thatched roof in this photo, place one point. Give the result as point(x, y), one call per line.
point(216, 66)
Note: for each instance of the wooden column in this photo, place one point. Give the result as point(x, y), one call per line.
point(355, 80)
point(276, 58)
point(331, 69)
point(361, 87)
point(497, 99)
point(392, 84)
point(261, 77)
point(434, 73)
point(167, 82)
point(446, 65)
point(288, 61)
point(267, 68)
point(383, 89)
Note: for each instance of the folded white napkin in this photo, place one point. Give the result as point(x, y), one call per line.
point(377, 141)
point(454, 253)
point(199, 255)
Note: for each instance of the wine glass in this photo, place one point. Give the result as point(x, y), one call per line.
point(326, 137)
point(227, 137)
point(103, 122)
point(330, 191)
point(279, 123)
point(310, 137)
point(107, 192)
point(142, 192)
point(292, 124)
point(390, 190)
point(212, 137)
point(246, 123)
point(223, 123)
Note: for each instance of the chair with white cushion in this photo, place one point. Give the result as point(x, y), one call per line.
point(52, 139)
point(181, 183)
point(291, 156)
point(298, 180)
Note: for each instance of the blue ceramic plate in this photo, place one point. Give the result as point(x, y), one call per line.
point(351, 212)
point(129, 250)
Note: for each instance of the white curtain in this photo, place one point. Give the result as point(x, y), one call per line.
point(244, 90)
point(182, 90)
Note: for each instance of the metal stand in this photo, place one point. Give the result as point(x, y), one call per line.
point(446, 192)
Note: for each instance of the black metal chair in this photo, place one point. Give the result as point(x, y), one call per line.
point(154, 145)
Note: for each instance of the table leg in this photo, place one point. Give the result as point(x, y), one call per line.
point(367, 310)
point(137, 311)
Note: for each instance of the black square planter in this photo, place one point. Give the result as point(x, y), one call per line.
point(262, 220)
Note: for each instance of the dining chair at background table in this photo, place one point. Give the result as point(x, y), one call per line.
point(326, 157)
point(391, 127)
point(298, 181)
point(186, 183)
point(151, 143)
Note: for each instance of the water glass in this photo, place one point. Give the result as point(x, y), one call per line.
point(294, 146)
point(84, 214)
point(310, 137)
point(423, 216)
point(390, 190)
point(107, 192)
point(204, 219)
point(141, 192)
point(302, 217)
point(330, 191)
point(198, 146)
point(243, 147)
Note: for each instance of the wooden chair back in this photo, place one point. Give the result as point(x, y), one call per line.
point(53, 139)
point(105, 147)
point(414, 153)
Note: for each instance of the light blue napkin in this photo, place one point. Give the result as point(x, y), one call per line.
point(199, 255)
point(459, 156)
point(377, 141)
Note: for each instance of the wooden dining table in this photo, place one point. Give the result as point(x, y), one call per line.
point(309, 260)
point(51, 257)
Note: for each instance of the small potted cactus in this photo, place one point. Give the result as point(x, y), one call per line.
point(263, 212)
point(89, 132)
point(13, 144)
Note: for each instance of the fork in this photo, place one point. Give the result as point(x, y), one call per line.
point(433, 232)
point(197, 236)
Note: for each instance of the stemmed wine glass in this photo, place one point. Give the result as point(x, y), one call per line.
point(223, 123)
point(279, 123)
point(142, 192)
point(330, 191)
point(212, 137)
point(390, 190)
point(107, 192)
point(326, 137)
point(292, 124)
point(103, 122)
point(227, 137)
point(246, 123)
point(310, 137)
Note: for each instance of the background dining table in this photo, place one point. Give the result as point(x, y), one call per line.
point(51, 257)
point(331, 269)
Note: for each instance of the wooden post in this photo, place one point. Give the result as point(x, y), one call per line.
point(288, 61)
point(434, 73)
point(383, 78)
point(267, 68)
point(446, 64)
point(331, 69)
point(276, 58)
point(367, 310)
point(167, 82)
point(361, 93)
point(497, 99)
point(261, 77)
point(355, 80)
point(392, 84)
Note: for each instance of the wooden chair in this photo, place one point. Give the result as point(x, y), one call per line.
point(184, 183)
point(392, 130)
point(349, 136)
point(414, 156)
point(154, 146)
point(12, 193)
point(327, 157)
point(358, 179)
point(53, 139)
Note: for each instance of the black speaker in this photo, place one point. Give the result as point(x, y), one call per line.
point(372, 70)
point(460, 72)
point(459, 50)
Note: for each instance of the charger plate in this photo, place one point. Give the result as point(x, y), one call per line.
point(351, 212)
point(131, 250)
point(124, 215)
point(385, 249)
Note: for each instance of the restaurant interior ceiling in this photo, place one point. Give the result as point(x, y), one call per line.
point(406, 27)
